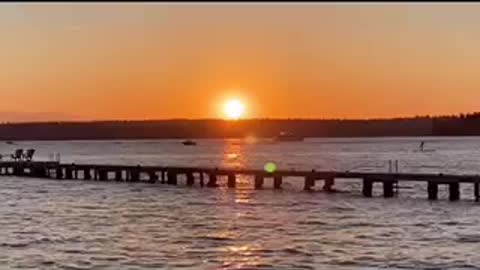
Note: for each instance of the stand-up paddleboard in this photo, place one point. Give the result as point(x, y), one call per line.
point(425, 150)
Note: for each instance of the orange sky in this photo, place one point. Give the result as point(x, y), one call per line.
point(137, 61)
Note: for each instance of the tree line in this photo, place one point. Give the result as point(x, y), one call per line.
point(455, 125)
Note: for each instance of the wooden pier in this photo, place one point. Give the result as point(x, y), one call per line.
point(209, 176)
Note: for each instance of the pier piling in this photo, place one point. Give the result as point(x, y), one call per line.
point(152, 177)
point(118, 175)
point(432, 190)
point(202, 180)
point(388, 189)
point(367, 187)
point(258, 181)
point(68, 173)
point(190, 179)
point(162, 176)
point(277, 182)
point(476, 191)
point(134, 175)
point(102, 175)
point(328, 185)
point(454, 189)
point(172, 178)
point(309, 183)
point(59, 173)
point(212, 180)
point(87, 174)
point(231, 182)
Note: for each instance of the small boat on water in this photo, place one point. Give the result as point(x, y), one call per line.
point(189, 142)
point(288, 137)
point(9, 142)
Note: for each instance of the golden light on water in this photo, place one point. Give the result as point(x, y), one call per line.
point(234, 109)
point(232, 156)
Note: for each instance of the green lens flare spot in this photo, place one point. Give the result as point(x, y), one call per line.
point(270, 167)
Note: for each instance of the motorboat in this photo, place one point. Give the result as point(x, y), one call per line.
point(189, 142)
point(288, 137)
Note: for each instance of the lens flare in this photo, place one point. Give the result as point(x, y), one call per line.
point(270, 167)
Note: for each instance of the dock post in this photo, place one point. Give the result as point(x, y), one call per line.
point(202, 181)
point(476, 191)
point(118, 175)
point(212, 180)
point(86, 174)
point(367, 187)
point(190, 179)
point(102, 175)
point(309, 183)
point(44, 172)
point(59, 173)
point(388, 189)
point(16, 170)
point(68, 173)
point(152, 177)
point(162, 177)
point(258, 181)
point(231, 180)
point(432, 190)
point(277, 182)
point(329, 182)
point(34, 172)
point(75, 171)
point(134, 175)
point(171, 178)
point(454, 189)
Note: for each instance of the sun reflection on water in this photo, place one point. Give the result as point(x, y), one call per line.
point(233, 155)
point(236, 253)
point(241, 256)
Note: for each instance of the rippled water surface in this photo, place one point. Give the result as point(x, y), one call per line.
point(51, 224)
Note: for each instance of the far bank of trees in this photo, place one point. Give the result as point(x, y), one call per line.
point(458, 125)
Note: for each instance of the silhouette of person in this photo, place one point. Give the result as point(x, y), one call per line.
point(421, 145)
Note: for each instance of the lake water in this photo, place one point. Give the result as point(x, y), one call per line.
point(51, 224)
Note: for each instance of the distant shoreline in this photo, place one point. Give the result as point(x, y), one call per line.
point(231, 138)
point(463, 125)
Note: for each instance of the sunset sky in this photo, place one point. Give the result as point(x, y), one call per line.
point(155, 61)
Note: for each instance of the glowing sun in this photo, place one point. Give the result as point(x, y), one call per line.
point(234, 109)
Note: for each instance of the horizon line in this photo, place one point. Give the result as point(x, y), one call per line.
point(237, 120)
